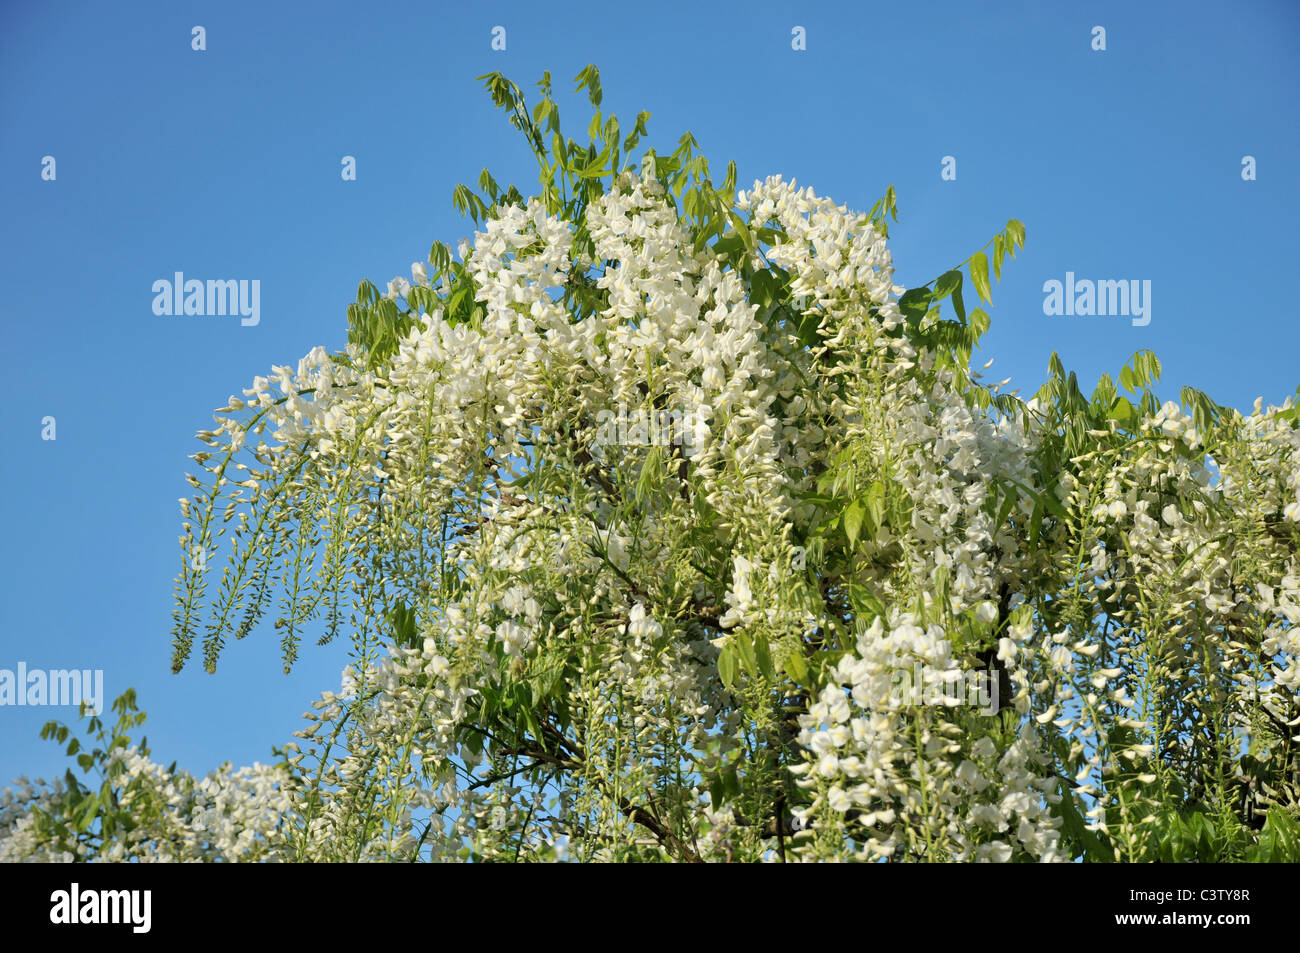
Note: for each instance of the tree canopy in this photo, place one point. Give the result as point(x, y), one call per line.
point(663, 525)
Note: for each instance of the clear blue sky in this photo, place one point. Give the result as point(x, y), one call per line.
point(1123, 164)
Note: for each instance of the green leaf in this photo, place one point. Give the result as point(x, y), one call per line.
point(84, 814)
point(866, 603)
point(1045, 501)
point(958, 305)
point(590, 78)
point(1122, 411)
point(914, 304)
point(1201, 835)
point(748, 657)
point(1076, 830)
point(946, 284)
point(763, 286)
point(1016, 230)
point(876, 504)
point(979, 274)
point(1283, 836)
point(1009, 499)
point(1035, 520)
point(731, 782)
point(731, 245)
point(402, 621)
point(1127, 380)
point(941, 580)
point(742, 230)
point(809, 329)
point(853, 522)
point(727, 665)
point(651, 474)
point(1153, 364)
point(796, 666)
point(763, 654)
